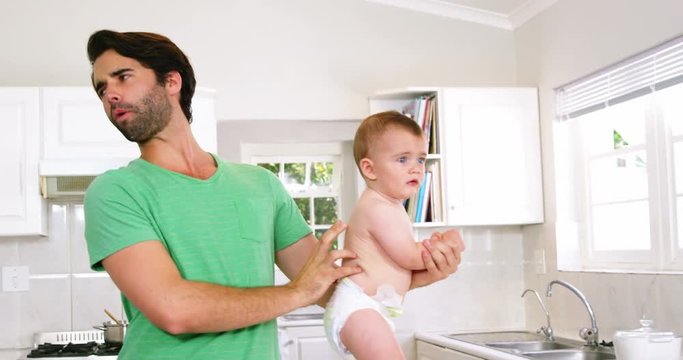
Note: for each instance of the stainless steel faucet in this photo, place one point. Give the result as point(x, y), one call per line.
point(590, 335)
point(546, 330)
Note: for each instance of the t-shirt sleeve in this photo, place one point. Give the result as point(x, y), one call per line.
point(290, 225)
point(113, 219)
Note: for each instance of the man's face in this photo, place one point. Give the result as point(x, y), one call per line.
point(132, 98)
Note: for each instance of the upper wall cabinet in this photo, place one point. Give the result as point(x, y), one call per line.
point(63, 131)
point(76, 127)
point(484, 152)
point(492, 152)
point(21, 206)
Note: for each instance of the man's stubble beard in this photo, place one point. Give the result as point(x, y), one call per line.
point(151, 115)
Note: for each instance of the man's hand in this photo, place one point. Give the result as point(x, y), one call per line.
point(441, 258)
point(320, 272)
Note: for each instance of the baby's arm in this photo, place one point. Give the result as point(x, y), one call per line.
point(394, 233)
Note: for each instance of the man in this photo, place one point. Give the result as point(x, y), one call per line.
point(189, 239)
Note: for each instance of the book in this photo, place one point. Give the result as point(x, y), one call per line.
point(425, 196)
point(410, 109)
point(418, 205)
point(436, 203)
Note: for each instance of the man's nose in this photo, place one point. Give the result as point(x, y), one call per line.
point(112, 97)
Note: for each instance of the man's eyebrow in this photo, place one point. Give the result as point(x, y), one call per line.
point(115, 73)
point(119, 72)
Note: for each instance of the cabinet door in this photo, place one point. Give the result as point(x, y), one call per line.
point(21, 206)
point(305, 343)
point(426, 351)
point(76, 127)
point(491, 147)
point(316, 348)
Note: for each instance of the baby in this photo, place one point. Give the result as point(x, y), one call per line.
point(390, 151)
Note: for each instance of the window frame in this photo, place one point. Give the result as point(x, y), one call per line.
point(255, 153)
point(576, 217)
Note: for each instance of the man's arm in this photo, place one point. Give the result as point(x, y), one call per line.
point(147, 275)
point(441, 258)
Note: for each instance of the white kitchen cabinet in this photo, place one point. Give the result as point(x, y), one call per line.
point(492, 155)
point(64, 131)
point(305, 343)
point(308, 342)
point(22, 209)
point(76, 127)
point(427, 351)
point(488, 152)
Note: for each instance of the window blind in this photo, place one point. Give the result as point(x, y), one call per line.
point(651, 70)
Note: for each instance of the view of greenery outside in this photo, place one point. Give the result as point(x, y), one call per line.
point(274, 168)
point(304, 205)
point(294, 173)
point(321, 173)
point(325, 210)
point(319, 212)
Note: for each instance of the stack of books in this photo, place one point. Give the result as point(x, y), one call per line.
point(425, 205)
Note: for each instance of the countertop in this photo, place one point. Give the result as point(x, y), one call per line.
point(469, 348)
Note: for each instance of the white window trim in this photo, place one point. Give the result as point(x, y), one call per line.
point(575, 249)
point(253, 153)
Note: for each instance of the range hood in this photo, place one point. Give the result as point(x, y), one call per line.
point(67, 179)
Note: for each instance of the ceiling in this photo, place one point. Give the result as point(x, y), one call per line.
point(505, 14)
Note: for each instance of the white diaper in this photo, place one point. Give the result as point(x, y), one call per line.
point(349, 298)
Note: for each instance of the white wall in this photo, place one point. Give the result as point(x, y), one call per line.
point(570, 40)
point(267, 59)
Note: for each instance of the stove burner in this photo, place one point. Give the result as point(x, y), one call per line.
point(72, 350)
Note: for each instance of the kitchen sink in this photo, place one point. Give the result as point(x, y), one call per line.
point(527, 346)
point(534, 346)
point(571, 354)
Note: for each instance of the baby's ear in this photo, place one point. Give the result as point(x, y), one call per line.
point(367, 169)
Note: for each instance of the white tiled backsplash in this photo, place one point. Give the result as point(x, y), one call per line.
point(64, 294)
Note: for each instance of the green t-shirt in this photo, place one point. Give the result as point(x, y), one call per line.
point(224, 230)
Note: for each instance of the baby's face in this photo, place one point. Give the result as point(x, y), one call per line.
point(399, 162)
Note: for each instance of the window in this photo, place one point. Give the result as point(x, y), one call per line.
point(311, 173)
point(619, 156)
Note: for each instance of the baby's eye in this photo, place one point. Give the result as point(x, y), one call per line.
point(402, 159)
point(421, 160)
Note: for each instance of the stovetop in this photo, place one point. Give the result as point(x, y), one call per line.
point(91, 349)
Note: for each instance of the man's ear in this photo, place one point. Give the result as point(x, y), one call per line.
point(367, 169)
point(173, 83)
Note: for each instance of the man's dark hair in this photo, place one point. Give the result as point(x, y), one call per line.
point(153, 51)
